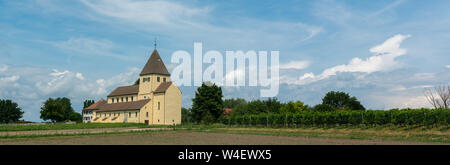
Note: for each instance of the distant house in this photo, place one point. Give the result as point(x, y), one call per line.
point(87, 112)
point(156, 100)
point(227, 111)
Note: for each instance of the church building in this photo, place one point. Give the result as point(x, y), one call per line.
point(155, 100)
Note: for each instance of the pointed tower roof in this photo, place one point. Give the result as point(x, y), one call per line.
point(155, 65)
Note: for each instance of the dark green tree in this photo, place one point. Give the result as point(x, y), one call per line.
point(9, 111)
point(207, 105)
point(293, 107)
point(77, 117)
point(137, 82)
point(323, 108)
point(57, 110)
point(342, 101)
point(88, 103)
point(186, 115)
point(231, 103)
point(272, 105)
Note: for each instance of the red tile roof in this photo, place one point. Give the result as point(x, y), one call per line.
point(125, 90)
point(163, 87)
point(155, 65)
point(133, 105)
point(94, 106)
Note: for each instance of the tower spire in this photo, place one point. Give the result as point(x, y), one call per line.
point(155, 43)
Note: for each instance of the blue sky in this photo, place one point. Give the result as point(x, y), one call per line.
point(84, 49)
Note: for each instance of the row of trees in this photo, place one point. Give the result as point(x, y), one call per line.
point(54, 109)
point(333, 101)
point(423, 117)
point(208, 105)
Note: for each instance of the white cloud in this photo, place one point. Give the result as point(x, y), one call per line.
point(9, 79)
point(447, 66)
point(90, 47)
point(4, 68)
point(79, 76)
point(295, 65)
point(147, 12)
point(382, 60)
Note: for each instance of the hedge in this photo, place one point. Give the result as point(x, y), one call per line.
point(422, 116)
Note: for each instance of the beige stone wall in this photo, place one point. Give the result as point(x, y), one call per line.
point(158, 114)
point(173, 105)
point(147, 109)
point(146, 88)
point(135, 98)
point(107, 117)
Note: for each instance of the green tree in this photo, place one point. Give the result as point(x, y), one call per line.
point(88, 103)
point(137, 82)
point(207, 103)
point(231, 103)
point(293, 107)
point(9, 111)
point(342, 101)
point(273, 105)
point(77, 117)
point(186, 115)
point(323, 108)
point(57, 110)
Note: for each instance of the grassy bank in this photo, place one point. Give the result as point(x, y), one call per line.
point(438, 133)
point(4, 128)
point(383, 132)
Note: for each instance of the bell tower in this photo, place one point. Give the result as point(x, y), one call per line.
point(152, 75)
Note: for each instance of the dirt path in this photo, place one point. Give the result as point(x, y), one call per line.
point(77, 131)
point(196, 138)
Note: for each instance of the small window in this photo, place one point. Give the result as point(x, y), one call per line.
point(127, 99)
point(146, 114)
point(164, 79)
point(109, 114)
point(129, 114)
point(117, 99)
point(158, 120)
point(159, 105)
point(145, 97)
point(131, 98)
point(121, 99)
point(158, 79)
point(112, 100)
point(136, 114)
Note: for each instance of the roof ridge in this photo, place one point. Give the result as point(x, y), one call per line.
point(154, 65)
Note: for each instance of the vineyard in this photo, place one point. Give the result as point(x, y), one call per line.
point(404, 117)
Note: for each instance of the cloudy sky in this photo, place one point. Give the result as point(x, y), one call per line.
point(383, 52)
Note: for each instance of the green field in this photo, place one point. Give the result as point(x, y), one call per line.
point(5, 128)
point(438, 133)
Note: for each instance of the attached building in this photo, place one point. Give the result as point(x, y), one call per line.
point(156, 100)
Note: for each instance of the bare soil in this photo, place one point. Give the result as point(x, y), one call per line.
point(196, 138)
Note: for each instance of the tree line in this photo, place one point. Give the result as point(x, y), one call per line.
point(208, 105)
point(53, 109)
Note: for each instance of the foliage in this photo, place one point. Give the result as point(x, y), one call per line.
point(232, 103)
point(425, 117)
point(77, 117)
point(323, 108)
point(88, 103)
point(57, 110)
point(273, 105)
point(186, 115)
point(207, 103)
point(9, 111)
point(293, 107)
point(137, 82)
point(341, 100)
